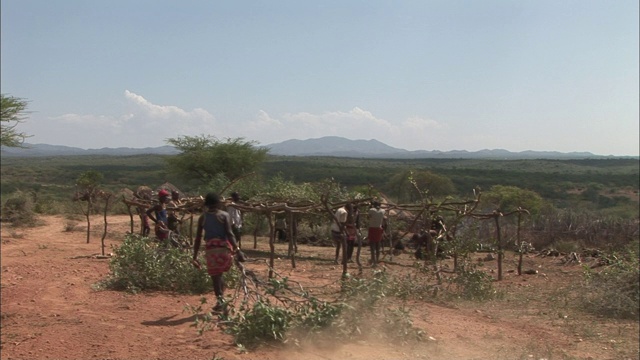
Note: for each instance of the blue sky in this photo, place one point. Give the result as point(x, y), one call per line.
point(434, 75)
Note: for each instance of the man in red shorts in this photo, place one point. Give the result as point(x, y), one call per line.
point(377, 221)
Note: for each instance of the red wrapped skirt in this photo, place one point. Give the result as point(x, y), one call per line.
point(218, 254)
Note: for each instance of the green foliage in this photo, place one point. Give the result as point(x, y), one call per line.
point(263, 322)
point(417, 285)
point(139, 264)
point(404, 185)
point(509, 198)
point(204, 157)
point(279, 189)
point(12, 113)
point(89, 180)
point(471, 284)
point(551, 179)
point(282, 313)
point(54, 178)
point(557, 181)
point(615, 290)
point(19, 209)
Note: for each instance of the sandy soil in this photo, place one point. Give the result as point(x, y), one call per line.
point(50, 310)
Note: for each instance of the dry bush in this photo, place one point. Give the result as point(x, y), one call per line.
point(19, 210)
point(70, 226)
point(614, 290)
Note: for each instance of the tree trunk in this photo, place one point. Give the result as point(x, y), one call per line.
point(104, 233)
point(255, 232)
point(359, 238)
point(271, 245)
point(88, 214)
point(131, 218)
point(292, 250)
point(500, 250)
point(519, 245)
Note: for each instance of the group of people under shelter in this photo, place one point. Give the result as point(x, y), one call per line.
point(347, 217)
point(221, 230)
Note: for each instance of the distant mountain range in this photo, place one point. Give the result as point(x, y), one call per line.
point(324, 146)
point(30, 150)
point(341, 147)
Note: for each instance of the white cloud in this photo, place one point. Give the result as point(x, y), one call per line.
point(165, 112)
point(143, 124)
point(412, 133)
point(354, 124)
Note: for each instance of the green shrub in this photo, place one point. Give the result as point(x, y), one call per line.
point(140, 264)
point(615, 290)
point(471, 284)
point(281, 313)
point(263, 322)
point(418, 285)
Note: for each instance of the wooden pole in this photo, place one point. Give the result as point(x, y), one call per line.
point(496, 216)
point(106, 208)
point(130, 217)
point(292, 251)
point(271, 244)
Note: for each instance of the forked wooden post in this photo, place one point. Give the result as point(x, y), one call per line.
point(271, 244)
point(496, 217)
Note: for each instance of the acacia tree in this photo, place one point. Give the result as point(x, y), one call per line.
point(87, 189)
point(403, 185)
point(510, 198)
point(12, 112)
point(204, 157)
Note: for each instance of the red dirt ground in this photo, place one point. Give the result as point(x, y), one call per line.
point(50, 310)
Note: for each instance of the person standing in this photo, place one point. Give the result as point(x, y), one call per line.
point(236, 217)
point(376, 230)
point(158, 214)
point(352, 228)
point(214, 225)
point(336, 229)
point(144, 221)
point(173, 221)
point(281, 228)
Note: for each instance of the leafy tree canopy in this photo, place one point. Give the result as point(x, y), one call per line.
point(403, 185)
point(89, 180)
point(203, 158)
point(12, 112)
point(509, 198)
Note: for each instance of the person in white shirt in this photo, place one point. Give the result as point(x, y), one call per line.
point(336, 233)
point(377, 223)
point(236, 218)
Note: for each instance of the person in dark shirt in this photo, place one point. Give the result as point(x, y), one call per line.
point(158, 214)
point(214, 225)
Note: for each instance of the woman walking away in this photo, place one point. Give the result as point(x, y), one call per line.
point(220, 244)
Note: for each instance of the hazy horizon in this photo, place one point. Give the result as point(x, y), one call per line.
point(436, 150)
